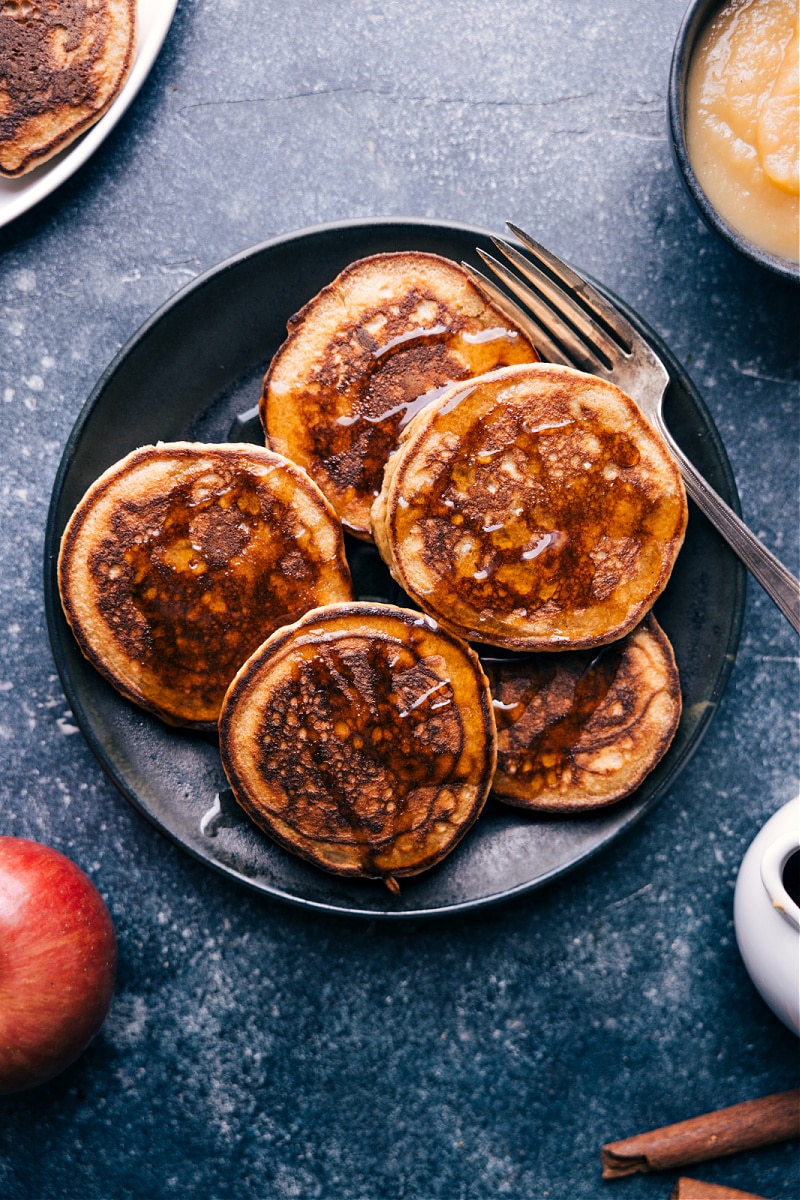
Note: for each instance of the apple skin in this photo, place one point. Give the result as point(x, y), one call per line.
point(58, 961)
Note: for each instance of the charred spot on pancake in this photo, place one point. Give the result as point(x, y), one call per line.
point(582, 729)
point(183, 558)
point(361, 739)
point(532, 508)
point(364, 355)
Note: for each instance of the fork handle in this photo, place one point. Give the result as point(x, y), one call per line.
point(773, 576)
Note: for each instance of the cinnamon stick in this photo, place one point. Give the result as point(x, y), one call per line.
point(745, 1126)
point(695, 1189)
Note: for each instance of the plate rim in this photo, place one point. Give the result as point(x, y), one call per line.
point(52, 610)
point(64, 165)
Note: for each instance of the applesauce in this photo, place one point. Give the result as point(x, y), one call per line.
point(742, 121)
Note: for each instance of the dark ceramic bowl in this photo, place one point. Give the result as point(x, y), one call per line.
point(697, 17)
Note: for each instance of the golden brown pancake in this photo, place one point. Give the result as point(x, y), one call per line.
point(182, 558)
point(62, 63)
point(362, 739)
point(532, 508)
point(364, 355)
point(583, 729)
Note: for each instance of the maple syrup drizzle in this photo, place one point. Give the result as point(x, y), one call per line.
point(554, 746)
point(360, 736)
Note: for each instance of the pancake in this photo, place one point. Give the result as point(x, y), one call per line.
point(533, 508)
point(182, 558)
point(583, 729)
point(365, 354)
point(361, 738)
point(62, 64)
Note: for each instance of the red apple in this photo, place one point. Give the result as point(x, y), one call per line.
point(58, 960)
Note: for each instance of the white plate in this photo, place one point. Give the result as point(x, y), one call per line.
point(18, 195)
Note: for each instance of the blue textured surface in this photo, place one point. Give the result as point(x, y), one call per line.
point(257, 1051)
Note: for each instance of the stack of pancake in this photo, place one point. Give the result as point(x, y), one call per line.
point(529, 512)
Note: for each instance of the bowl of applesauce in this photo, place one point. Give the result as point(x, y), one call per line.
point(734, 116)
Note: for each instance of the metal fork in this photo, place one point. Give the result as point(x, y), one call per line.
point(574, 325)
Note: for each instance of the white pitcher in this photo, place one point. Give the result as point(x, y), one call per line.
point(766, 917)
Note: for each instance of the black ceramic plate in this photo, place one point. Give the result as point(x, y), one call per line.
point(190, 372)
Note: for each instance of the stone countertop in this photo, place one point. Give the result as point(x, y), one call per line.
point(257, 1050)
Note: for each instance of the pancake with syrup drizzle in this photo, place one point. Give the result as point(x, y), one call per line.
point(361, 738)
point(532, 508)
point(365, 354)
point(582, 729)
point(62, 64)
point(182, 558)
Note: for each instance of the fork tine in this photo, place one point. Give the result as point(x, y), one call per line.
point(580, 355)
point(565, 304)
point(541, 339)
point(596, 304)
